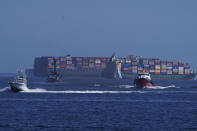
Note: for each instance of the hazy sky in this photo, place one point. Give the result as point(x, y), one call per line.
point(165, 29)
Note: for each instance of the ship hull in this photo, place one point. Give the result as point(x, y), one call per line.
point(54, 79)
point(126, 80)
point(17, 87)
point(143, 83)
point(89, 74)
point(95, 81)
point(164, 77)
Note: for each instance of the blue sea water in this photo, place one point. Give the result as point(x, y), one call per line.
point(170, 105)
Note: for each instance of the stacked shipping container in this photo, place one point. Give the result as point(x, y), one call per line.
point(134, 65)
point(163, 67)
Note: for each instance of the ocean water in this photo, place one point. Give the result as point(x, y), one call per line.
point(170, 105)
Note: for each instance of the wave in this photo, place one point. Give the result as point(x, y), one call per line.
point(163, 87)
point(153, 87)
point(99, 100)
point(126, 86)
point(41, 90)
point(38, 90)
point(123, 86)
point(5, 89)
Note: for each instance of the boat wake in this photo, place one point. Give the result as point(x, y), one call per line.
point(41, 90)
point(38, 90)
point(126, 86)
point(151, 87)
point(5, 89)
point(163, 87)
point(9, 89)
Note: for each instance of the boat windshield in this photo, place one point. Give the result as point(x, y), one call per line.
point(20, 79)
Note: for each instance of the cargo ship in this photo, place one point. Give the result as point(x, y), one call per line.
point(92, 68)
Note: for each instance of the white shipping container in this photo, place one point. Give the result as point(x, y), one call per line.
point(181, 68)
point(128, 61)
point(181, 72)
point(97, 61)
point(169, 72)
point(152, 71)
point(69, 62)
point(157, 68)
point(169, 68)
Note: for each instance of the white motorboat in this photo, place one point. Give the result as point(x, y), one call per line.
point(19, 83)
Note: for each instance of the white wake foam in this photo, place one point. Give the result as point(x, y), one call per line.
point(163, 87)
point(38, 90)
point(153, 87)
point(97, 85)
point(126, 86)
point(123, 86)
point(5, 89)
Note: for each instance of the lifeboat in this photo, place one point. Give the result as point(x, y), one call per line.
point(143, 81)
